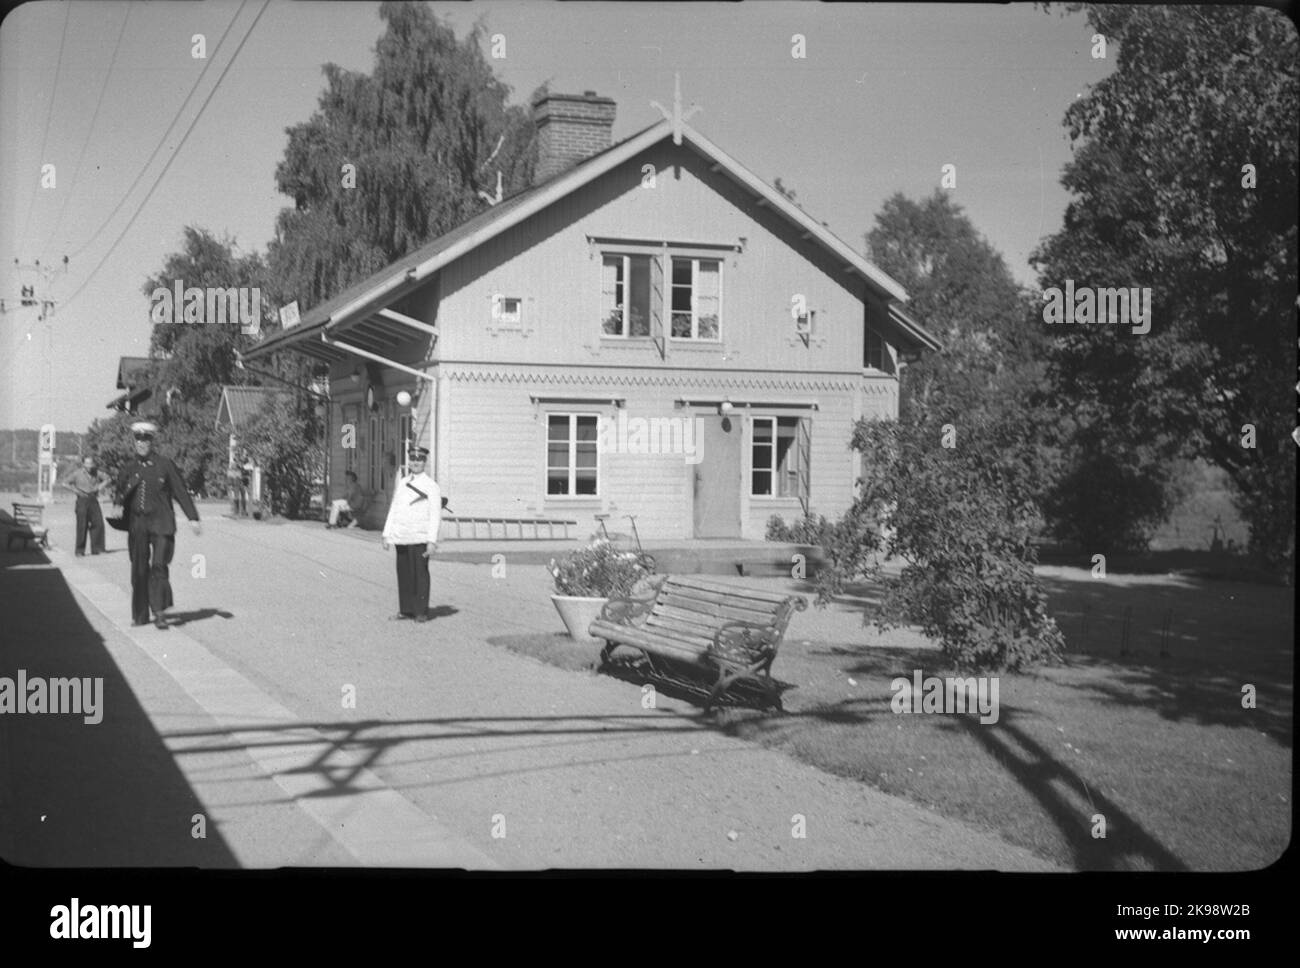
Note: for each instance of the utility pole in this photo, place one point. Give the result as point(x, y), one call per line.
point(38, 295)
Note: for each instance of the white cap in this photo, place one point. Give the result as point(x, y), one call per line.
point(144, 427)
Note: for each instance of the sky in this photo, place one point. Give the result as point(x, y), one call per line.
point(885, 96)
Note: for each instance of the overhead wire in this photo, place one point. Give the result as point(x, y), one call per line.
point(49, 112)
point(90, 130)
point(175, 154)
point(163, 140)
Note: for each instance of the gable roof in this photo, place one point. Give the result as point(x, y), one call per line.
point(239, 404)
point(391, 283)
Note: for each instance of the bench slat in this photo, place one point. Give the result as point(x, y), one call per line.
point(720, 598)
point(703, 623)
point(692, 634)
point(715, 613)
point(655, 642)
point(727, 590)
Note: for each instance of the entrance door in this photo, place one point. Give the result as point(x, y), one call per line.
point(718, 477)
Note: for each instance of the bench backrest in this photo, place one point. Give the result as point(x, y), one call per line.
point(697, 607)
point(29, 514)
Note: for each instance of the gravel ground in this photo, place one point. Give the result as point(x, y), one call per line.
point(505, 761)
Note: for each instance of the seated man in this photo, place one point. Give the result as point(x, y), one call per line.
point(352, 505)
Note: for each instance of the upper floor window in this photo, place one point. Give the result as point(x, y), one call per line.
point(571, 454)
point(625, 295)
point(874, 354)
point(696, 298)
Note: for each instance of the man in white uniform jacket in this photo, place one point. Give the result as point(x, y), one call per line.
point(412, 525)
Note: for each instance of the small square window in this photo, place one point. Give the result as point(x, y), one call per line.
point(507, 309)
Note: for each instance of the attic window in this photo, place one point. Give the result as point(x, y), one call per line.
point(507, 309)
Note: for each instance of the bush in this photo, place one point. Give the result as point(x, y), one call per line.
point(598, 570)
point(808, 530)
point(963, 518)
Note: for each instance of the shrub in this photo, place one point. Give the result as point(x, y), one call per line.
point(808, 530)
point(598, 570)
point(963, 519)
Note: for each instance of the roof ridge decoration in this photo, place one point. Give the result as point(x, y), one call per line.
point(677, 119)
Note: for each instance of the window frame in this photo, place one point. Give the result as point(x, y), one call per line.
point(499, 314)
point(626, 255)
point(791, 473)
point(695, 259)
point(573, 416)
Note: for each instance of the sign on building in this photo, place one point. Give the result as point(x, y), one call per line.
point(289, 315)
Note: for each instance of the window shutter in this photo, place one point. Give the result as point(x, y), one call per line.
point(803, 445)
point(657, 305)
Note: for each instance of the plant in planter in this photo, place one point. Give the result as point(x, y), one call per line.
point(586, 578)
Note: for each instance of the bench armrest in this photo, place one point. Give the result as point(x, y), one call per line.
point(634, 608)
point(745, 643)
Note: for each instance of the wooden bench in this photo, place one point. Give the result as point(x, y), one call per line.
point(30, 521)
point(723, 633)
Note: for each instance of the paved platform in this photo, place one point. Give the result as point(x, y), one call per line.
point(303, 728)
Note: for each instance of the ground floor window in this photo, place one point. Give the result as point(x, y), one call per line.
point(781, 454)
point(571, 453)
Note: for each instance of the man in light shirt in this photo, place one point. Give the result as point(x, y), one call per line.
point(86, 482)
point(412, 526)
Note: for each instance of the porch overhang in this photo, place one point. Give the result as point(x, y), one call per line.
point(370, 331)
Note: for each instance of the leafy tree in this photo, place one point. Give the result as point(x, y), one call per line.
point(963, 518)
point(1162, 199)
point(110, 440)
point(282, 438)
point(424, 132)
point(952, 487)
point(191, 361)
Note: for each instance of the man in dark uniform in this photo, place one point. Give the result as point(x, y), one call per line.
point(146, 487)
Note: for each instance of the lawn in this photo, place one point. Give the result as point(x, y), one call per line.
point(1157, 744)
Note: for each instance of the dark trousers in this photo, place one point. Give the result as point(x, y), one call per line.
point(412, 579)
point(90, 522)
point(151, 553)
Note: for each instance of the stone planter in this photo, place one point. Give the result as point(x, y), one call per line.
point(578, 614)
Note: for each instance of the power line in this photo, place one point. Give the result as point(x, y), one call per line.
point(49, 112)
point(174, 156)
point(163, 140)
point(112, 62)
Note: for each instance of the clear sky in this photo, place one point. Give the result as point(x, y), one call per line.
point(886, 95)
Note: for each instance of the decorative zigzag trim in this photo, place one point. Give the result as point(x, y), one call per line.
point(677, 379)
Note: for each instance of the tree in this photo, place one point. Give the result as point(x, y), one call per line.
point(1184, 182)
point(192, 361)
point(955, 482)
point(394, 158)
point(282, 439)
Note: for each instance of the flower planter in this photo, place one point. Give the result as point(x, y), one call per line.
point(578, 614)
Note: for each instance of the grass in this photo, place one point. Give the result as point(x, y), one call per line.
point(1157, 744)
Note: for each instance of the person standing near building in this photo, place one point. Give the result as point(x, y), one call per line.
point(412, 526)
point(146, 487)
point(354, 504)
point(86, 482)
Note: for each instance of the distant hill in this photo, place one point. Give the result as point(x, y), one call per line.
point(18, 456)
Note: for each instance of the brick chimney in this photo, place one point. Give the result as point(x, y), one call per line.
point(570, 128)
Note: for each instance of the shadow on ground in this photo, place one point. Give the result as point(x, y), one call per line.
point(77, 794)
